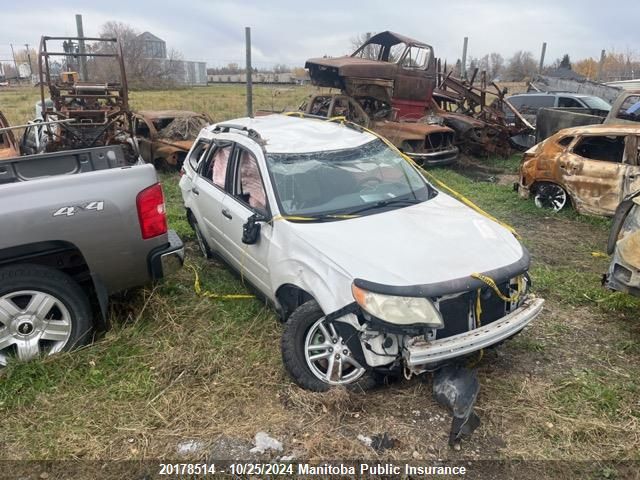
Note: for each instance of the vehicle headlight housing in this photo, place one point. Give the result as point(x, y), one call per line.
point(398, 310)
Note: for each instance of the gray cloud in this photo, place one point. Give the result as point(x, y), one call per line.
point(290, 31)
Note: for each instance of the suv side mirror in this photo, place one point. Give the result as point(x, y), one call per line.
point(251, 229)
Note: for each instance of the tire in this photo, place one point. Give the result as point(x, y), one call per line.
point(551, 196)
point(297, 331)
point(203, 246)
point(42, 311)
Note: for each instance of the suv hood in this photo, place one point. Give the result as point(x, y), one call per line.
point(435, 241)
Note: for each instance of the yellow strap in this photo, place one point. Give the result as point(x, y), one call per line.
point(489, 281)
point(474, 363)
point(205, 293)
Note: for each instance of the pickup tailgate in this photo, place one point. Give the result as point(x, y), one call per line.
point(95, 212)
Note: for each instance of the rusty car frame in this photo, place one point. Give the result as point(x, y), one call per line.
point(429, 144)
point(164, 137)
point(97, 112)
point(8, 146)
point(592, 168)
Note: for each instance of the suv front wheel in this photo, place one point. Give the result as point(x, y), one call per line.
point(317, 356)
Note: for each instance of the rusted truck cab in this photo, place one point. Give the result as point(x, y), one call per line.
point(393, 68)
point(8, 146)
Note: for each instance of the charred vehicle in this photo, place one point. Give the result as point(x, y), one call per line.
point(428, 144)
point(624, 245)
point(8, 145)
point(592, 168)
point(396, 70)
point(164, 137)
point(88, 112)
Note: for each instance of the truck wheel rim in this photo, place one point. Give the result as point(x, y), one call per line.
point(32, 323)
point(328, 357)
point(551, 196)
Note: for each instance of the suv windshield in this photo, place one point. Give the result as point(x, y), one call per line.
point(344, 181)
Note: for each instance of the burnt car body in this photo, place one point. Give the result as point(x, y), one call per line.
point(593, 167)
point(427, 144)
point(624, 245)
point(8, 145)
point(392, 68)
point(164, 137)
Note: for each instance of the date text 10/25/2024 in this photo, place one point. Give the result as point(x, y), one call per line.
point(233, 469)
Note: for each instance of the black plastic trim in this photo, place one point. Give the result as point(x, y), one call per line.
point(457, 285)
point(155, 256)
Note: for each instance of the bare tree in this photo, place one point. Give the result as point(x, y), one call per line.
point(496, 62)
point(521, 65)
point(369, 52)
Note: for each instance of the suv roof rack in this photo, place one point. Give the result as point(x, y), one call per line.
point(251, 133)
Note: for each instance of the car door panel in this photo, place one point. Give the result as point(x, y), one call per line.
point(594, 185)
point(632, 158)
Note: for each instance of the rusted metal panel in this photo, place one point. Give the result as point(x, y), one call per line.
point(597, 166)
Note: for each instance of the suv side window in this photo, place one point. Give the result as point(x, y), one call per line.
point(249, 188)
point(215, 168)
point(601, 147)
point(198, 153)
point(568, 102)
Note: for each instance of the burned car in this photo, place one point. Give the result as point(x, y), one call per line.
point(396, 70)
point(624, 245)
point(165, 136)
point(8, 145)
point(592, 168)
point(429, 144)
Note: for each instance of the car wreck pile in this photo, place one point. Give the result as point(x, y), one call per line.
point(389, 85)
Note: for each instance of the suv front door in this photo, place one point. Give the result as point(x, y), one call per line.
point(247, 196)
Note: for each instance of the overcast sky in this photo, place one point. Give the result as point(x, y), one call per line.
point(291, 31)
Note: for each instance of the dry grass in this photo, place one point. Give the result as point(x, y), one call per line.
point(178, 367)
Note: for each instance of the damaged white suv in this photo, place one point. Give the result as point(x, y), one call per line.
point(369, 265)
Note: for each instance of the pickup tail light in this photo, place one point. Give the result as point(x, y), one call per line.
point(152, 213)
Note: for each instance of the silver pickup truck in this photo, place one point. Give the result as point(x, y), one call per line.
point(75, 227)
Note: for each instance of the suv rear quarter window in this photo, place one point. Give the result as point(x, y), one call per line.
point(601, 147)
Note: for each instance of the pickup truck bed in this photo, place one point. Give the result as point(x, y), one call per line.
point(82, 214)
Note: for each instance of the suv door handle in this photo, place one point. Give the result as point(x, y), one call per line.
point(226, 213)
point(195, 191)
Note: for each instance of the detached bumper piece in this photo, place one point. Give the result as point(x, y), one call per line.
point(437, 158)
point(418, 351)
point(167, 259)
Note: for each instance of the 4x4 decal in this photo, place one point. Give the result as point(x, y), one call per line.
point(73, 209)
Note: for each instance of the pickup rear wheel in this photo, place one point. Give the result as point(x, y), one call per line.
point(317, 357)
point(42, 312)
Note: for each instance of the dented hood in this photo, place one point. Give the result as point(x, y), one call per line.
point(434, 241)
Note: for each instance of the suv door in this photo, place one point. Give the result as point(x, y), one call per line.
point(247, 196)
point(632, 159)
point(209, 190)
point(593, 171)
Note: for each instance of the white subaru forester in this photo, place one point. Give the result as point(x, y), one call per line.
point(372, 268)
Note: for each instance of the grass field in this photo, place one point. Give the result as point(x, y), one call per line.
point(176, 367)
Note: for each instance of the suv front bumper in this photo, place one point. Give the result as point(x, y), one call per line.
point(167, 259)
point(418, 351)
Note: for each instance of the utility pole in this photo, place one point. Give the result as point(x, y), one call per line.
point(29, 59)
point(463, 69)
point(82, 50)
point(601, 65)
point(542, 54)
point(15, 64)
point(247, 35)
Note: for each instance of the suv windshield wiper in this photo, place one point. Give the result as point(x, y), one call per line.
point(384, 203)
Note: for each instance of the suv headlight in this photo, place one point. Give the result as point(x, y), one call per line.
point(398, 310)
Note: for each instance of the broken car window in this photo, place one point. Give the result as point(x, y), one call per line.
point(319, 183)
point(605, 148)
point(249, 188)
point(416, 57)
point(198, 153)
point(216, 170)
